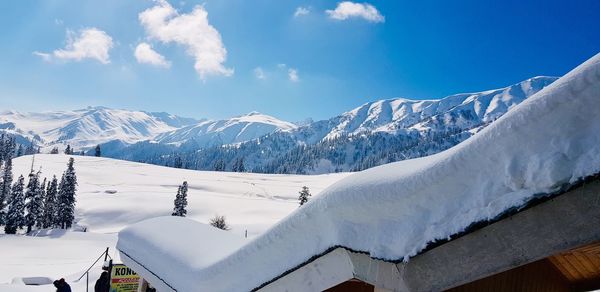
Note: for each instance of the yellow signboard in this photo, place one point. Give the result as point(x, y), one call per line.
point(123, 279)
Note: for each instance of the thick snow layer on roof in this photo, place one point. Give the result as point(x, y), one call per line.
point(550, 140)
point(181, 241)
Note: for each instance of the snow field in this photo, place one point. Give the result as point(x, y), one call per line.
point(113, 194)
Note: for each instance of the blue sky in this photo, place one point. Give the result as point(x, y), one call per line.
point(327, 59)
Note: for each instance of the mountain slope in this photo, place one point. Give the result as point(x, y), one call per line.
point(461, 111)
point(85, 128)
point(221, 132)
point(374, 133)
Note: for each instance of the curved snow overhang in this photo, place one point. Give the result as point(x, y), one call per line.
point(542, 228)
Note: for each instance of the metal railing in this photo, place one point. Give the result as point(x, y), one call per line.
point(87, 272)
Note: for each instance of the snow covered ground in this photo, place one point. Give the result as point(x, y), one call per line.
point(114, 194)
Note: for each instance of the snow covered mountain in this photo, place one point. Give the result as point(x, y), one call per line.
point(85, 128)
point(375, 133)
point(464, 111)
point(372, 134)
point(222, 132)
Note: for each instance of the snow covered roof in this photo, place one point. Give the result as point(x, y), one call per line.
point(392, 212)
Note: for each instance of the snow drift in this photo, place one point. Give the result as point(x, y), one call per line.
point(392, 212)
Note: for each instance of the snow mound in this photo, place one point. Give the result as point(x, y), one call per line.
point(211, 242)
point(392, 212)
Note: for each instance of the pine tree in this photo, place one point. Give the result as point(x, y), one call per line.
point(5, 185)
point(304, 195)
point(238, 165)
point(20, 151)
point(31, 148)
point(219, 165)
point(234, 167)
point(68, 150)
point(54, 150)
point(42, 192)
point(178, 162)
point(241, 167)
point(50, 218)
point(97, 151)
point(15, 218)
point(66, 196)
point(177, 203)
point(181, 200)
point(219, 222)
point(33, 201)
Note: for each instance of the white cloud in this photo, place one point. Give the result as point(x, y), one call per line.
point(90, 43)
point(146, 55)
point(293, 75)
point(259, 73)
point(347, 9)
point(301, 11)
point(201, 40)
point(45, 56)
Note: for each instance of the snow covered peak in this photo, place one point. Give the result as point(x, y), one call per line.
point(221, 132)
point(253, 113)
point(85, 128)
point(463, 110)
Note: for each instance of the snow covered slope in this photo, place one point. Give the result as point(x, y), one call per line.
point(250, 201)
point(221, 132)
point(391, 212)
point(85, 128)
point(113, 194)
point(462, 111)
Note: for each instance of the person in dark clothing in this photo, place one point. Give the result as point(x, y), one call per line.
point(62, 286)
point(102, 284)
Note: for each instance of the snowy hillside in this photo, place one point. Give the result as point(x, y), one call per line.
point(222, 132)
point(85, 128)
point(250, 201)
point(463, 111)
point(114, 194)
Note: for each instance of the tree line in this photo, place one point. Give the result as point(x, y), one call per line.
point(280, 153)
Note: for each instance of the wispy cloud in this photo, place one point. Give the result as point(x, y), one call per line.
point(193, 31)
point(293, 75)
point(347, 9)
point(301, 11)
point(88, 43)
point(259, 73)
point(144, 54)
point(45, 56)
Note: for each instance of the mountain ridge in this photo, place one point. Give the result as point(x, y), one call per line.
point(266, 142)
